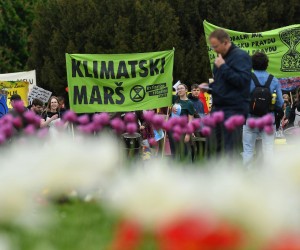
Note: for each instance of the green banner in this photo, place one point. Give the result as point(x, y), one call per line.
point(281, 46)
point(119, 82)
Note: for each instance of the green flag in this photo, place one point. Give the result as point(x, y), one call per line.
point(281, 46)
point(119, 82)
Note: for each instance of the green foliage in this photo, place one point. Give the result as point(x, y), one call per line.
point(15, 26)
point(96, 27)
point(125, 26)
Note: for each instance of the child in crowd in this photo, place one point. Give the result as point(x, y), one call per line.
point(194, 97)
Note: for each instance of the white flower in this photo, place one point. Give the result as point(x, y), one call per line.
point(68, 164)
point(58, 166)
point(156, 193)
point(261, 206)
point(5, 243)
point(151, 194)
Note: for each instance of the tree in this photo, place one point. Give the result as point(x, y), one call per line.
point(191, 61)
point(91, 26)
point(127, 26)
point(15, 26)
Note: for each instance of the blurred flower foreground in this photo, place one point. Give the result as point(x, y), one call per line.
point(208, 205)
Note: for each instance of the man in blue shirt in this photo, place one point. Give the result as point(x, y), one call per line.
point(260, 63)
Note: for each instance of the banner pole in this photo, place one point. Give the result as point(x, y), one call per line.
point(291, 98)
point(165, 135)
point(72, 130)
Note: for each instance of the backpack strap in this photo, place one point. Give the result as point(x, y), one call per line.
point(269, 80)
point(257, 83)
point(255, 80)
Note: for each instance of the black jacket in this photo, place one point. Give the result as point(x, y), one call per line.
point(231, 86)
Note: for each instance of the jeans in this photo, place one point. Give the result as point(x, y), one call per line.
point(249, 139)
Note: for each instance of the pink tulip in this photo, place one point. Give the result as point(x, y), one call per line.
point(269, 130)
point(129, 117)
point(83, 120)
point(102, 118)
point(158, 121)
point(7, 130)
point(218, 116)
point(209, 121)
point(97, 119)
point(260, 123)
point(229, 125)
point(167, 125)
point(29, 130)
point(238, 120)
point(17, 122)
point(173, 121)
point(176, 136)
point(152, 142)
point(268, 119)
point(206, 131)
point(189, 128)
point(29, 116)
point(97, 126)
point(70, 116)
point(148, 115)
point(177, 129)
point(183, 121)
point(131, 127)
point(118, 125)
point(7, 118)
point(37, 121)
point(86, 129)
point(19, 107)
point(251, 123)
point(196, 124)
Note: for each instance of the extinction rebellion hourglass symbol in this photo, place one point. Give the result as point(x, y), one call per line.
point(290, 61)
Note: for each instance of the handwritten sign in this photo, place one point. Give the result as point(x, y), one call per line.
point(39, 93)
point(11, 87)
point(26, 76)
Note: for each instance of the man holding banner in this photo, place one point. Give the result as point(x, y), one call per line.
point(230, 89)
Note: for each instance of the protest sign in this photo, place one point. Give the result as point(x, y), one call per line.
point(280, 45)
point(119, 82)
point(12, 87)
point(39, 93)
point(25, 76)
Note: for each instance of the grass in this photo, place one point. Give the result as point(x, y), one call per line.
point(77, 226)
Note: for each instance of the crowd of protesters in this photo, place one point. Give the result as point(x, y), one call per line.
point(231, 91)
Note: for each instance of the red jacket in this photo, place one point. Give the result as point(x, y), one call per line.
point(203, 100)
